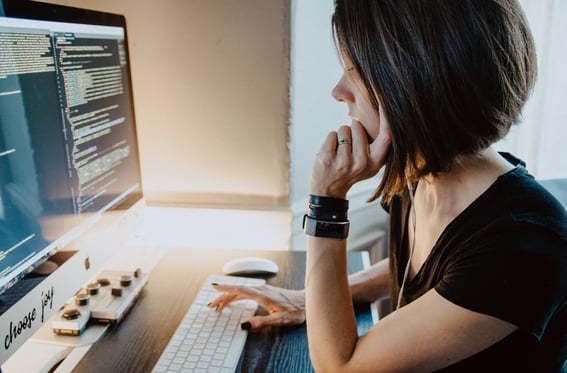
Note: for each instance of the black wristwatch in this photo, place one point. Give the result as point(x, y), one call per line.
point(329, 229)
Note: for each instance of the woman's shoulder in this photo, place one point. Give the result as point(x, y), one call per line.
point(526, 200)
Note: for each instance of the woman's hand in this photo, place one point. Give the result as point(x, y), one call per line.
point(338, 167)
point(285, 307)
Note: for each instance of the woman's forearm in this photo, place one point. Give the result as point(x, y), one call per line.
point(329, 295)
point(331, 323)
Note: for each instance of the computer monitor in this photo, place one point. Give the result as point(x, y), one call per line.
point(69, 165)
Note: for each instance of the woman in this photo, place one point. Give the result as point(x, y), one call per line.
point(477, 269)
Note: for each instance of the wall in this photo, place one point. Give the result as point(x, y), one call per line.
point(540, 139)
point(211, 91)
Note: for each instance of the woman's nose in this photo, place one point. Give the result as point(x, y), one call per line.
point(341, 91)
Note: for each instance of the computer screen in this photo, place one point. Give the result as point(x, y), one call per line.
point(68, 150)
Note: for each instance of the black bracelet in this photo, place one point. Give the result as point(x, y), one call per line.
point(328, 203)
point(328, 208)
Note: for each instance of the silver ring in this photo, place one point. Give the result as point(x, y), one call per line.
point(345, 141)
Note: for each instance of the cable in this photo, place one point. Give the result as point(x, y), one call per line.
point(413, 222)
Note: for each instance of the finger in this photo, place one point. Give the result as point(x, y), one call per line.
point(344, 142)
point(227, 295)
point(362, 166)
point(359, 140)
point(241, 292)
point(233, 293)
point(220, 302)
point(381, 145)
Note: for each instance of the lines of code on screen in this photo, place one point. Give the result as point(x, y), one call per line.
point(95, 108)
point(24, 54)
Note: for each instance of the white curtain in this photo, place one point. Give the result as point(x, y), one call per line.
point(541, 138)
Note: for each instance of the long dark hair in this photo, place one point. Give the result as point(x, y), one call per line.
point(452, 76)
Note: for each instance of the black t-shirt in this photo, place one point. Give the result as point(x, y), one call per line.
point(505, 255)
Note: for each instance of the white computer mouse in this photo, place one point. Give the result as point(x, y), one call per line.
point(250, 266)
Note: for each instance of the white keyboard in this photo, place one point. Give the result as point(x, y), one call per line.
point(207, 340)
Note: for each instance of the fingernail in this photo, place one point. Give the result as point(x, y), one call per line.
point(245, 325)
point(209, 304)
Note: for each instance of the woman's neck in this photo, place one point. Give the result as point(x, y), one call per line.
point(451, 192)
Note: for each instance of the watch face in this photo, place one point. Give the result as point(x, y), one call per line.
point(317, 228)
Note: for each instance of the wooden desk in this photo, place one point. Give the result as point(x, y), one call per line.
point(136, 343)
